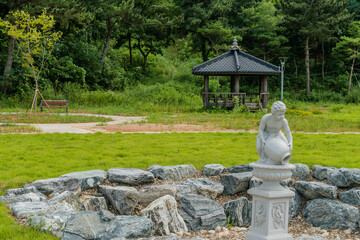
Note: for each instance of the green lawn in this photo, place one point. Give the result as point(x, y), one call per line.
point(25, 158)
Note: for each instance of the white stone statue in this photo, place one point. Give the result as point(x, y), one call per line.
point(271, 144)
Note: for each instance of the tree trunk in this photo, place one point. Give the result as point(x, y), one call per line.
point(296, 68)
point(351, 73)
point(323, 60)
point(8, 64)
point(107, 40)
point(307, 66)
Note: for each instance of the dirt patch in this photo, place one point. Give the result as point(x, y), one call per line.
point(155, 127)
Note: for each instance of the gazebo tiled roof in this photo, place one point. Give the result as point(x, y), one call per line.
point(236, 62)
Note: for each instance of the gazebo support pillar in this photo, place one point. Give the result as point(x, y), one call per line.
point(206, 91)
point(236, 83)
point(263, 89)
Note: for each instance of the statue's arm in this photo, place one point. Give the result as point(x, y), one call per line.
point(288, 133)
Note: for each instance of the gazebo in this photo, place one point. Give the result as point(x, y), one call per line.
point(235, 64)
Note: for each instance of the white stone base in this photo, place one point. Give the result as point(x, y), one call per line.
point(276, 236)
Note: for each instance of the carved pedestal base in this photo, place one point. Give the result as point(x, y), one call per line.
point(270, 209)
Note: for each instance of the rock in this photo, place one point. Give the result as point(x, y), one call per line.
point(130, 176)
point(240, 168)
point(345, 177)
point(163, 213)
point(123, 199)
point(255, 182)
point(69, 198)
point(27, 197)
point(236, 182)
point(28, 209)
point(54, 222)
point(337, 178)
point(294, 204)
point(239, 211)
point(170, 238)
point(201, 186)
point(21, 191)
point(213, 169)
point(307, 237)
point(287, 183)
point(173, 172)
point(301, 171)
point(93, 203)
point(313, 190)
point(88, 179)
point(329, 214)
point(103, 225)
point(352, 196)
point(321, 172)
point(201, 213)
point(149, 194)
point(56, 185)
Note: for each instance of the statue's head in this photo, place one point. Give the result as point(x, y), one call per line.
point(278, 110)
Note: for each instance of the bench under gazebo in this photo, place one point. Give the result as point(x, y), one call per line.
point(235, 64)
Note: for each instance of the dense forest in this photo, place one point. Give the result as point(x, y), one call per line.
point(151, 45)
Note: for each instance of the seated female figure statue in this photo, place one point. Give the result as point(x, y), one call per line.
point(271, 144)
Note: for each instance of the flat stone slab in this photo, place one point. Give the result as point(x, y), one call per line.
point(320, 172)
point(201, 213)
point(213, 169)
point(28, 209)
point(239, 211)
point(163, 213)
point(88, 179)
point(21, 191)
point(130, 176)
point(352, 196)
point(123, 199)
point(235, 182)
point(314, 190)
point(329, 214)
point(56, 185)
point(103, 225)
point(201, 186)
point(92, 203)
point(239, 168)
point(173, 172)
point(301, 171)
point(149, 194)
point(27, 197)
point(68, 197)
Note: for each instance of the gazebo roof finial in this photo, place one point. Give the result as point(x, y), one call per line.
point(235, 45)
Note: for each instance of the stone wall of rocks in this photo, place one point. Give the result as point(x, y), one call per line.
point(125, 203)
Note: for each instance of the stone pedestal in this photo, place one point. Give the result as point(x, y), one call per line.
point(270, 209)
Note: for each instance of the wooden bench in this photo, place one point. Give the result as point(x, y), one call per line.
point(253, 106)
point(54, 104)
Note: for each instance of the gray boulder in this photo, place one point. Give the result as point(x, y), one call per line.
point(239, 168)
point(173, 172)
point(236, 182)
point(352, 196)
point(93, 203)
point(321, 172)
point(69, 198)
point(201, 186)
point(313, 190)
point(239, 212)
point(149, 194)
point(103, 225)
point(329, 214)
point(130, 176)
point(163, 213)
point(287, 182)
point(345, 177)
point(255, 182)
point(301, 171)
point(213, 169)
point(294, 204)
point(27, 197)
point(123, 199)
point(88, 179)
point(21, 191)
point(28, 209)
point(56, 185)
point(200, 212)
point(54, 222)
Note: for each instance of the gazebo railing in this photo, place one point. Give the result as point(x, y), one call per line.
point(226, 99)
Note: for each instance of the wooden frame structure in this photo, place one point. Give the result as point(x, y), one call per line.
point(236, 64)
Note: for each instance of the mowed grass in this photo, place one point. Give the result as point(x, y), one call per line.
point(49, 118)
point(25, 158)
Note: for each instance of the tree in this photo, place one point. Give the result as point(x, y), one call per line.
point(262, 30)
point(35, 40)
point(312, 19)
point(350, 47)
